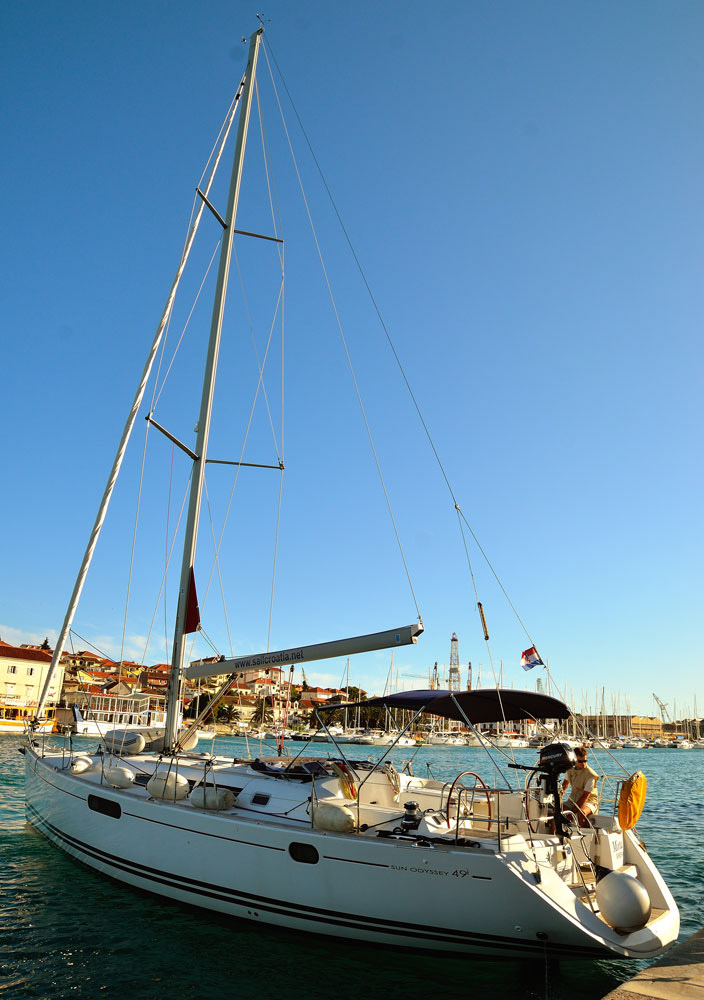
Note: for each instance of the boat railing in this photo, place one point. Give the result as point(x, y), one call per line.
point(611, 782)
point(503, 811)
point(476, 815)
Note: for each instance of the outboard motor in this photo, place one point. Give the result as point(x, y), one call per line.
point(554, 760)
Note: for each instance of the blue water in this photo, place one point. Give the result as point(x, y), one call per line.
point(66, 932)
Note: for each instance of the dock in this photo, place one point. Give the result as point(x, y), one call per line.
point(678, 975)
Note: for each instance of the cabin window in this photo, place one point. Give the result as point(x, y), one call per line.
point(260, 799)
point(105, 806)
point(304, 853)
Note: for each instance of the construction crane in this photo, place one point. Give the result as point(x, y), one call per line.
point(420, 677)
point(663, 708)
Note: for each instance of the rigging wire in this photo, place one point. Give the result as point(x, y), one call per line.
point(460, 514)
point(218, 545)
point(261, 387)
point(166, 550)
point(461, 517)
point(129, 426)
point(273, 568)
point(216, 566)
point(158, 390)
point(338, 322)
point(166, 569)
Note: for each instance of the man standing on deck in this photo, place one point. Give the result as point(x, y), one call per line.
point(583, 800)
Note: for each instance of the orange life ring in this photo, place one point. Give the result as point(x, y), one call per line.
point(631, 800)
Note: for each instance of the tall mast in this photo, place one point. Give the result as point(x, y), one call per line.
point(206, 405)
point(129, 426)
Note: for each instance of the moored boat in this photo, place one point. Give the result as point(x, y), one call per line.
point(347, 847)
point(323, 844)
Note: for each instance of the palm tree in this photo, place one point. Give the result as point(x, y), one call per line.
point(228, 713)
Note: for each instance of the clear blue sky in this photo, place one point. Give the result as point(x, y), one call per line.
point(523, 185)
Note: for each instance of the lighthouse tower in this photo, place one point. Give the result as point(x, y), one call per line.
point(454, 678)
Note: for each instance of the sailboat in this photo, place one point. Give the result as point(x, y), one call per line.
point(344, 847)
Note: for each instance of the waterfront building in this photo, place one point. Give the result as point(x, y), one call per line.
point(23, 671)
point(637, 726)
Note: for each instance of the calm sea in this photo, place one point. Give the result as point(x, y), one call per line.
point(66, 932)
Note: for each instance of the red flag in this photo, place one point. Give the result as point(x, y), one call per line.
point(192, 612)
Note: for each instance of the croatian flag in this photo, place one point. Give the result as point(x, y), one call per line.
point(530, 659)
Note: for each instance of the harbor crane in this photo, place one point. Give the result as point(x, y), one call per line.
point(420, 677)
point(663, 708)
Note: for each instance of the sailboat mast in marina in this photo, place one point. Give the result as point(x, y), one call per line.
point(187, 583)
point(335, 845)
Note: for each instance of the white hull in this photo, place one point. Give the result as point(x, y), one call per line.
point(476, 900)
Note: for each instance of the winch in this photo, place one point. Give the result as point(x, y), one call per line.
point(411, 817)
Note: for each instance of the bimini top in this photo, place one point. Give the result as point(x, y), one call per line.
point(489, 705)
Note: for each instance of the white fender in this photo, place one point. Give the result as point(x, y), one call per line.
point(81, 764)
point(333, 817)
point(208, 797)
point(169, 786)
point(119, 777)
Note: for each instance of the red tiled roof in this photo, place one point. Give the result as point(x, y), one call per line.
point(21, 653)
